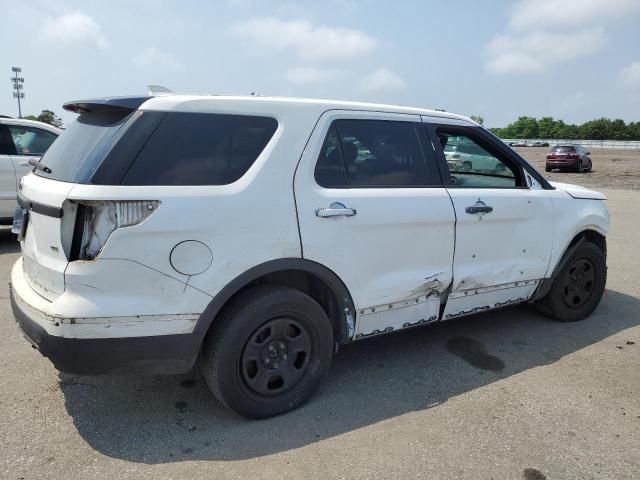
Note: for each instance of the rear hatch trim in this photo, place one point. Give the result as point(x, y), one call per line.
point(40, 208)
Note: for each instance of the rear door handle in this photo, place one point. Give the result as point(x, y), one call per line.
point(478, 207)
point(336, 209)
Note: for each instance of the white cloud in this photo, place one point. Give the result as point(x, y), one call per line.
point(152, 57)
point(311, 43)
point(382, 79)
point(536, 51)
point(305, 76)
point(75, 29)
point(631, 75)
point(544, 33)
point(541, 14)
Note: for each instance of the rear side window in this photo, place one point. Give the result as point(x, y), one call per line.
point(371, 153)
point(200, 149)
point(30, 140)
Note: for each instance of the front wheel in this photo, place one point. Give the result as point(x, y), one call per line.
point(579, 286)
point(268, 352)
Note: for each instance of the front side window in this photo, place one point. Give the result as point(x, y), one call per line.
point(30, 140)
point(474, 164)
point(371, 153)
point(200, 149)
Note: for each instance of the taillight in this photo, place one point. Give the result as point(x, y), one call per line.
point(97, 220)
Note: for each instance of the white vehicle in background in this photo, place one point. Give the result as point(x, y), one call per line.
point(258, 234)
point(21, 141)
point(463, 155)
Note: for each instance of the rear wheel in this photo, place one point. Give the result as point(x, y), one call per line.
point(268, 352)
point(547, 169)
point(579, 286)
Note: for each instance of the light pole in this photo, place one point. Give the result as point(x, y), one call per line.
point(17, 87)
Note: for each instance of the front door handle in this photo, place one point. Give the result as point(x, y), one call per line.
point(478, 207)
point(336, 209)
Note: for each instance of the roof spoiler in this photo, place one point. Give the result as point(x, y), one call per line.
point(113, 103)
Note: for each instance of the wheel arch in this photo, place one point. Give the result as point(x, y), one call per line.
point(312, 278)
point(588, 234)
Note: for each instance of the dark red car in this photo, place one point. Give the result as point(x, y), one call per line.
point(568, 157)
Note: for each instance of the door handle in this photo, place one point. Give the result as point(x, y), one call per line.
point(478, 207)
point(336, 209)
point(25, 164)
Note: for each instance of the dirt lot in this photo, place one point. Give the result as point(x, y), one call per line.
point(619, 169)
point(502, 395)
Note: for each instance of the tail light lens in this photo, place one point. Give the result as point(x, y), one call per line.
point(97, 220)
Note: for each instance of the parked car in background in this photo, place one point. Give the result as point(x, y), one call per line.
point(568, 157)
point(20, 141)
point(540, 144)
point(467, 156)
point(258, 234)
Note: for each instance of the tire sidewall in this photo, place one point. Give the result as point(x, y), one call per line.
point(556, 301)
point(244, 321)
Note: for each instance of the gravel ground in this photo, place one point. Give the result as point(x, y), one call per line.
point(618, 169)
point(503, 395)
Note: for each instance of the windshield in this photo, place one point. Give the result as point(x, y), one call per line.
point(79, 151)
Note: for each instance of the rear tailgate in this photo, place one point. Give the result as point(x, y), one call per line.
point(44, 256)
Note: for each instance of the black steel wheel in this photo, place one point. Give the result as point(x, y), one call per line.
point(268, 351)
point(276, 357)
point(579, 282)
point(578, 286)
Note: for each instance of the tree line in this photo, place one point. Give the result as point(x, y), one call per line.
point(47, 116)
point(548, 127)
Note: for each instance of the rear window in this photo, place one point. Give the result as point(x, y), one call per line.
point(561, 149)
point(201, 149)
point(81, 148)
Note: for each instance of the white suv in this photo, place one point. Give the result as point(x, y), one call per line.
point(258, 234)
point(21, 141)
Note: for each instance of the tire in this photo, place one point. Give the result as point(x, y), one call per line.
point(547, 169)
point(249, 362)
point(499, 168)
point(578, 287)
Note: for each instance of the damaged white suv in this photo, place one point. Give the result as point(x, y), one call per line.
point(258, 234)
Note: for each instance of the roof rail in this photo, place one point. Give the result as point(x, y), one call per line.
point(158, 90)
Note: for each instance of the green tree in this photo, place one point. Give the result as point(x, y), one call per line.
point(47, 116)
point(547, 127)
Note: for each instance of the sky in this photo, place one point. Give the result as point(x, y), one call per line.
point(570, 59)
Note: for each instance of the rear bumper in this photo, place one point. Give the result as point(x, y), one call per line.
point(562, 164)
point(91, 354)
